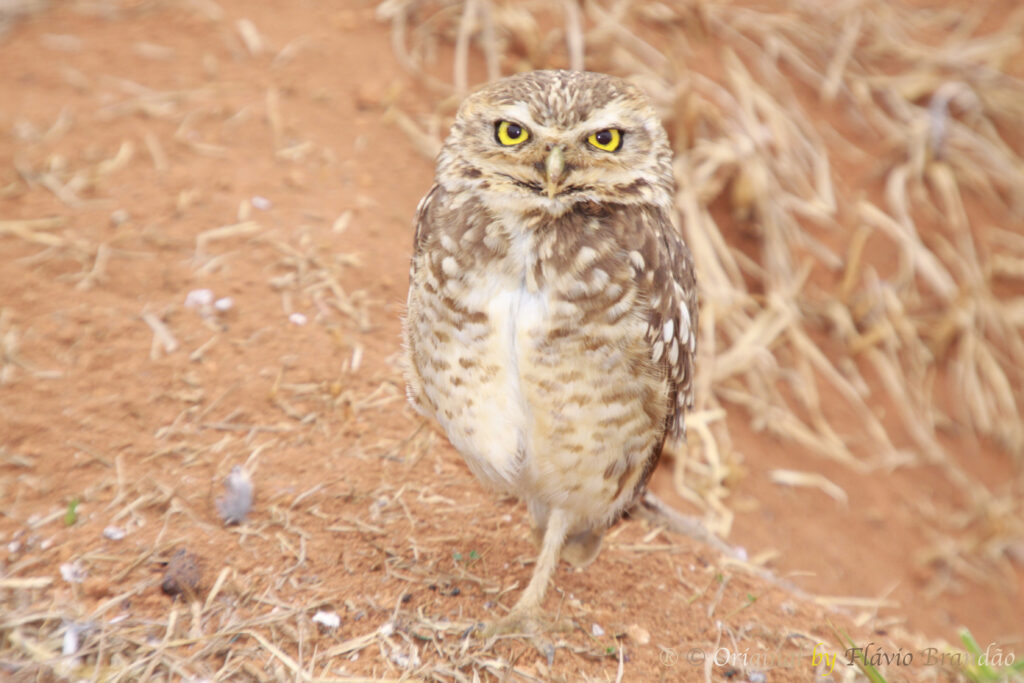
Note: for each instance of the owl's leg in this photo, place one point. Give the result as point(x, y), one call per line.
point(537, 535)
point(581, 549)
point(539, 513)
point(525, 616)
point(554, 539)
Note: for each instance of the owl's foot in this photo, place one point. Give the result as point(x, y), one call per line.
point(526, 622)
point(527, 615)
point(530, 625)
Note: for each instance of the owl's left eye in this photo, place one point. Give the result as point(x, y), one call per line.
point(509, 134)
point(609, 139)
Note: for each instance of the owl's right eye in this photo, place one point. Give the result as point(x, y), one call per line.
point(510, 134)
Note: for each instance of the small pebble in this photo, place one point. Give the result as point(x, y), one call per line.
point(72, 572)
point(369, 96)
point(114, 533)
point(297, 319)
point(199, 298)
point(328, 620)
point(261, 203)
point(406, 661)
point(224, 304)
point(118, 218)
point(638, 634)
point(596, 630)
point(71, 640)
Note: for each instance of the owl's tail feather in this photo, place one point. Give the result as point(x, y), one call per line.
point(657, 511)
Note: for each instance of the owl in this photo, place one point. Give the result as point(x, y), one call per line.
point(552, 307)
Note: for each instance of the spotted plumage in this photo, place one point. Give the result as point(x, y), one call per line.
point(552, 306)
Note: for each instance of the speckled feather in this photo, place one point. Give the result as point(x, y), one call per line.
point(553, 338)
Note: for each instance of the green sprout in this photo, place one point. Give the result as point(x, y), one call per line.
point(71, 514)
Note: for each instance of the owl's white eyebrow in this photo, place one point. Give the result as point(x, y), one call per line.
point(599, 120)
point(520, 113)
point(517, 112)
point(588, 127)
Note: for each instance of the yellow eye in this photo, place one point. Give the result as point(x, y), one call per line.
point(509, 134)
point(609, 139)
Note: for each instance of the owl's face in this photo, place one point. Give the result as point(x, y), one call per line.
point(548, 140)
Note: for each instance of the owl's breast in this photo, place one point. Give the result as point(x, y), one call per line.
point(539, 402)
point(469, 361)
point(529, 345)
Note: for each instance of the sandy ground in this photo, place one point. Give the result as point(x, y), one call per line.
point(160, 154)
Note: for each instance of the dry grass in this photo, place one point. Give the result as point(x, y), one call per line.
point(808, 314)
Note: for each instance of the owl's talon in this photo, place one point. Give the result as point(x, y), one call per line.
point(512, 623)
point(530, 623)
point(531, 627)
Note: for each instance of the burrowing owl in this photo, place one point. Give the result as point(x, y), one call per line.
point(552, 307)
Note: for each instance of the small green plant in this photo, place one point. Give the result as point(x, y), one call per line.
point(989, 664)
point(469, 558)
point(859, 659)
point(71, 514)
point(751, 599)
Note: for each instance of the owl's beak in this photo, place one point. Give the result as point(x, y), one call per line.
point(554, 168)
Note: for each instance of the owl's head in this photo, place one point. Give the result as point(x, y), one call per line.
point(550, 139)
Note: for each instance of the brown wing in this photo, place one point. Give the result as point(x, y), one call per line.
point(422, 225)
point(672, 314)
point(422, 229)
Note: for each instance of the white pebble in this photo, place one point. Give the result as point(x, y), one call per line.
point(199, 298)
point(71, 642)
point(297, 319)
point(114, 533)
point(261, 203)
point(329, 620)
point(72, 572)
point(596, 630)
point(225, 304)
point(406, 661)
